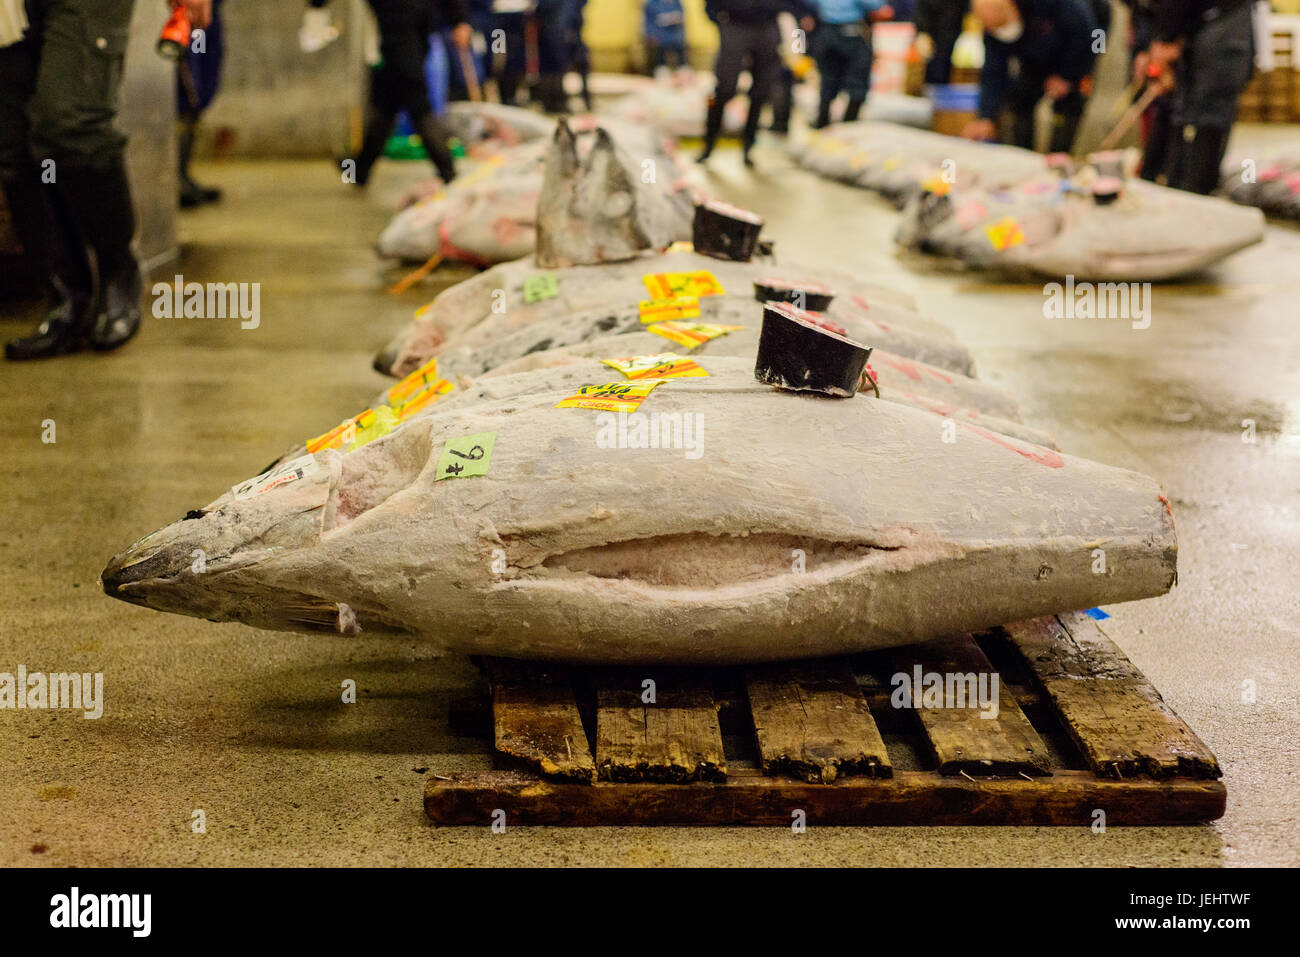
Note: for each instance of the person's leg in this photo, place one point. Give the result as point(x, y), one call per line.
point(1219, 60)
point(1066, 114)
point(199, 76)
point(1023, 95)
point(938, 72)
point(782, 100)
point(726, 70)
point(1159, 143)
point(51, 241)
point(857, 75)
point(404, 58)
point(72, 113)
point(765, 64)
point(829, 72)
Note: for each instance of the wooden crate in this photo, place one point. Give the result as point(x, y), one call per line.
point(1078, 730)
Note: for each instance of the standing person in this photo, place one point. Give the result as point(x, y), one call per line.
point(63, 168)
point(665, 34)
point(1210, 46)
point(938, 25)
point(198, 75)
point(1157, 122)
point(1051, 43)
point(399, 84)
point(843, 42)
point(747, 34)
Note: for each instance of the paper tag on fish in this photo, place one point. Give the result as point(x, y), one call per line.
point(430, 394)
point(413, 384)
point(690, 334)
point(610, 396)
point(1004, 234)
point(362, 429)
point(543, 285)
point(682, 246)
point(678, 307)
point(669, 285)
point(663, 365)
point(465, 456)
point(892, 163)
point(299, 468)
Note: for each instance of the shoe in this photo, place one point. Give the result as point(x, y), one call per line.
point(118, 318)
point(193, 195)
point(61, 332)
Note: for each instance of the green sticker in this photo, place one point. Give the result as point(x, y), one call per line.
point(544, 285)
point(465, 456)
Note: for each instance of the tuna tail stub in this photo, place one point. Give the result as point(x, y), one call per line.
point(594, 206)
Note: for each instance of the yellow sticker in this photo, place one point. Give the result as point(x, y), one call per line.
point(682, 246)
point(690, 334)
point(937, 184)
point(351, 434)
point(669, 285)
point(662, 365)
point(678, 307)
point(1005, 233)
point(413, 383)
point(430, 394)
point(610, 396)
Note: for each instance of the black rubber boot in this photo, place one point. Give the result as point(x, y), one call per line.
point(100, 197)
point(1201, 160)
point(53, 244)
point(1022, 130)
point(434, 134)
point(1064, 128)
point(853, 109)
point(191, 193)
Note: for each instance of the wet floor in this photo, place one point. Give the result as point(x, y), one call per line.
point(248, 727)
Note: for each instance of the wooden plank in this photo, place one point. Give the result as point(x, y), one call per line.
point(535, 719)
point(748, 798)
point(812, 722)
point(963, 736)
point(676, 738)
point(1111, 710)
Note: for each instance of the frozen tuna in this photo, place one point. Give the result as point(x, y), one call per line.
point(718, 521)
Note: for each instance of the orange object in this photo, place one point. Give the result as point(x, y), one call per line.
point(175, 38)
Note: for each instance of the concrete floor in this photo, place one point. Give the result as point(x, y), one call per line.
point(248, 725)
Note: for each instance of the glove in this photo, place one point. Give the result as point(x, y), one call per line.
point(316, 32)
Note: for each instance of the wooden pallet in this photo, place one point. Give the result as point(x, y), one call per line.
point(1078, 729)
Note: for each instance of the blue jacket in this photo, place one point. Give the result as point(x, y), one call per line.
point(665, 23)
point(837, 12)
point(1057, 41)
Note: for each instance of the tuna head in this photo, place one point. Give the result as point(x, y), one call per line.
point(243, 557)
point(596, 204)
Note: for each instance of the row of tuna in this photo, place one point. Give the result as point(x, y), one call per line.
point(579, 463)
point(1001, 207)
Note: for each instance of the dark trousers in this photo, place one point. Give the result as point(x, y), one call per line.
point(508, 66)
point(1217, 62)
point(938, 72)
point(399, 84)
point(844, 63)
point(61, 154)
point(1022, 99)
point(743, 45)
